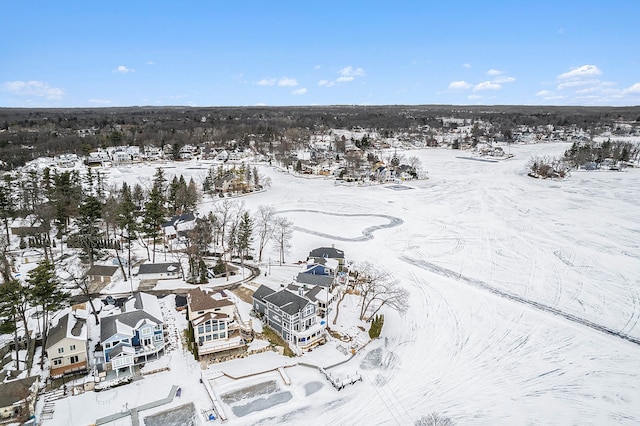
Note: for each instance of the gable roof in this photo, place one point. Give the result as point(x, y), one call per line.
point(125, 323)
point(15, 390)
point(287, 301)
point(102, 270)
point(157, 268)
point(327, 252)
point(146, 302)
point(185, 217)
point(199, 300)
point(261, 292)
point(313, 279)
point(68, 327)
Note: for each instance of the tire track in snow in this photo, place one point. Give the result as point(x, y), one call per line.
point(367, 233)
point(439, 270)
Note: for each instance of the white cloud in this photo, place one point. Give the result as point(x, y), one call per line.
point(577, 83)
point(486, 85)
point(466, 65)
point(503, 79)
point(267, 82)
point(123, 70)
point(347, 74)
point(349, 71)
point(300, 91)
point(282, 82)
point(474, 97)
point(150, 63)
point(459, 85)
point(287, 82)
point(33, 88)
point(494, 72)
point(544, 93)
point(317, 67)
point(344, 79)
point(633, 89)
point(580, 72)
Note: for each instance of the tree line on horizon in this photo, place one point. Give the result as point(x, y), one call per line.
point(26, 134)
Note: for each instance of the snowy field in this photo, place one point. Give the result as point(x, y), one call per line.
point(515, 283)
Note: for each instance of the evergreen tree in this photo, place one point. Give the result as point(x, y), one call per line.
point(245, 235)
point(13, 305)
point(45, 293)
point(90, 211)
point(126, 220)
point(154, 215)
point(7, 209)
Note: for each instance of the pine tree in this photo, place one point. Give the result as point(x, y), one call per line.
point(13, 305)
point(90, 211)
point(245, 235)
point(44, 292)
point(126, 220)
point(154, 215)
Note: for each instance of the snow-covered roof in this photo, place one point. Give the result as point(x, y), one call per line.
point(68, 327)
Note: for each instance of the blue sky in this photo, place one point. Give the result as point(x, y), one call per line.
point(215, 53)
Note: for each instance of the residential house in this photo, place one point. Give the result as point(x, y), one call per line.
point(134, 334)
point(177, 224)
point(325, 298)
point(217, 325)
point(16, 395)
point(292, 315)
point(102, 273)
point(159, 271)
point(28, 226)
point(67, 344)
point(322, 254)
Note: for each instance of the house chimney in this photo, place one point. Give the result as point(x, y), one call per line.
point(301, 291)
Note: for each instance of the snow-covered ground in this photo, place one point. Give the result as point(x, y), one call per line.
point(512, 282)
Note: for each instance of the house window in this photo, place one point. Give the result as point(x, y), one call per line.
point(73, 359)
point(107, 345)
point(201, 329)
point(72, 347)
point(157, 337)
point(57, 361)
point(60, 350)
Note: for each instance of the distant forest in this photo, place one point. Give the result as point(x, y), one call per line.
point(26, 134)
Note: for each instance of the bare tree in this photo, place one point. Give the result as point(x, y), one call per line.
point(434, 419)
point(81, 281)
point(264, 226)
point(282, 233)
point(379, 288)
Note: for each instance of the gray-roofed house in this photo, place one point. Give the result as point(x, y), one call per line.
point(159, 271)
point(182, 222)
point(321, 254)
point(259, 304)
point(293, 316)
point(67, 344)
point(218, 328)
point(139, 329)
point(102, 273)
point(327, 281)
point(16, 395)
